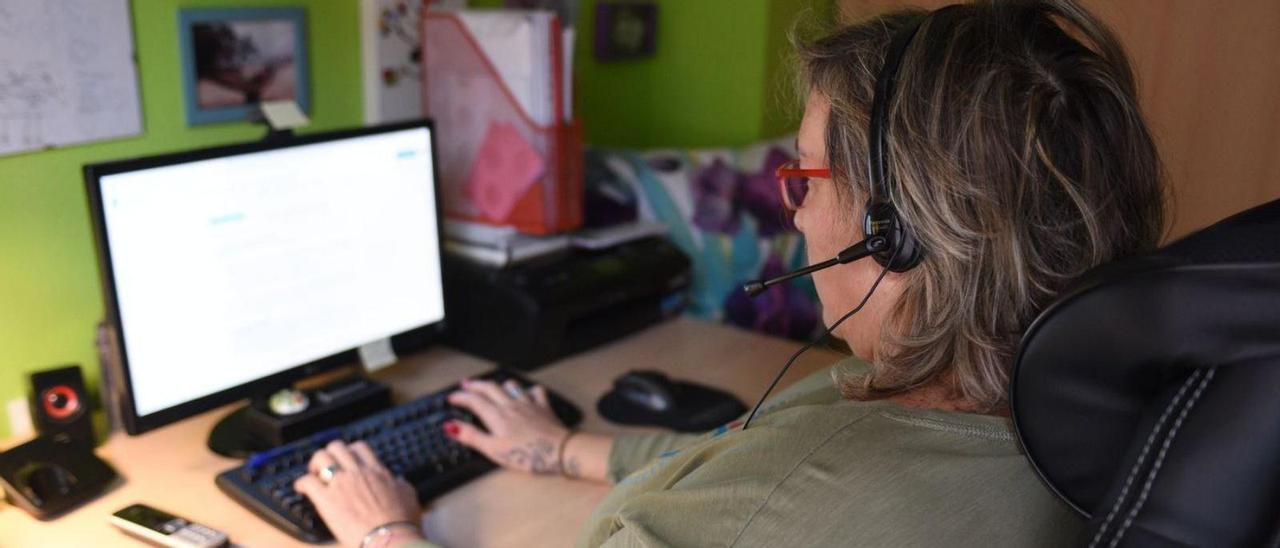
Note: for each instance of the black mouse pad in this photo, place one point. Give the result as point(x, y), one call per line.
point(67, 472)
point(698, 409)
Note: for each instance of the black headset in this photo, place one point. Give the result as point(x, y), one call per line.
point(888, 239)
point(903, 251)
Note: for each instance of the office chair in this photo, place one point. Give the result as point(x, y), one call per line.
point(1148, 396)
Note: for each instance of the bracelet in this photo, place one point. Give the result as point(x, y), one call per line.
point(387, 531)
point(564, 442)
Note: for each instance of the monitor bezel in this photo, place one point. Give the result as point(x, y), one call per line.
point(404, 342)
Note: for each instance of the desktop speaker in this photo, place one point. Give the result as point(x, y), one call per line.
point(60, 404)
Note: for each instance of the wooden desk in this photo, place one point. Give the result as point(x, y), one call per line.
point(171, 469)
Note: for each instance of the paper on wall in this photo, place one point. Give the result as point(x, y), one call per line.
point(67, 73)
point(20, 425)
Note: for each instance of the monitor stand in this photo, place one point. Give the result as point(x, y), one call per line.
point(231, 436)
point(255, 427)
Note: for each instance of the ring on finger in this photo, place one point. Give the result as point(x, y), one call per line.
point(513, 390)
point(327, 473)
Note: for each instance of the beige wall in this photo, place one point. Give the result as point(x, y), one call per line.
point(1209, 77)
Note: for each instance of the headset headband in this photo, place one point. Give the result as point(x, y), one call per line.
point(886, 85)
point(885, 89)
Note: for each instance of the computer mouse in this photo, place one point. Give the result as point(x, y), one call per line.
point(650, 390)
point(43, 481)
point(650, 398)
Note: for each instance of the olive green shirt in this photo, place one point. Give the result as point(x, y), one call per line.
point(816, 470)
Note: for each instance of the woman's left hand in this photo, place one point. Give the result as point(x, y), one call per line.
point(361, 495)
point(523, 432)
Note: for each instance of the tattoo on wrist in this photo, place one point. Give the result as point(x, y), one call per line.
point(537, 456)
point(571, 468)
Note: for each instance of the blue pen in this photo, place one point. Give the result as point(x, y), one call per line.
point(256, 460)
point(319, 439)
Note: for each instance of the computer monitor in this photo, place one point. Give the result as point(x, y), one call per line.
point(234, 271)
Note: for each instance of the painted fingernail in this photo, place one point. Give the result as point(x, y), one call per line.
point(451, 429)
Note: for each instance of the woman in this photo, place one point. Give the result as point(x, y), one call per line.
point(1019, 160)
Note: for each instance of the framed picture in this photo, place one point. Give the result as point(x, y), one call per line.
point(233, 59)
point(626, 30)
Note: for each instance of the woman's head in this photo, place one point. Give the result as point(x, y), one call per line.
point(1019, 159)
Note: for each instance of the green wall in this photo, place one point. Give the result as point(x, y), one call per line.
point(50, 297)
point(716, 79)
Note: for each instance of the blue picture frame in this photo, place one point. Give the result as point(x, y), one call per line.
point(189, 17)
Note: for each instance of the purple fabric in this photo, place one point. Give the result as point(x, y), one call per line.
point(760, 199)
point(783, 310)
point(732, 224)
point(715, 189)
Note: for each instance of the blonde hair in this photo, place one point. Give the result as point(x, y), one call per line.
point(1020, 159)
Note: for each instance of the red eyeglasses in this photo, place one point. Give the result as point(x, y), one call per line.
point(793, 183)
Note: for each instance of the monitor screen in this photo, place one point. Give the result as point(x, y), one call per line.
point(231, 269)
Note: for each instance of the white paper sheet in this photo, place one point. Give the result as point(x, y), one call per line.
point(67, 73)
point(284, 114)
point(518, 45)
point(567, 39)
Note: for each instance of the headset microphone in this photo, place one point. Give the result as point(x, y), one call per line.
point(865, 248)
point(852, 250)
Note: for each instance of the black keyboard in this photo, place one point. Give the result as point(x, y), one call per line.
point(408, 439)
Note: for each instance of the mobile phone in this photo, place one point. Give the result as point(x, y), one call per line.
point(165, 529)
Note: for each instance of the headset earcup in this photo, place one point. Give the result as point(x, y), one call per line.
point(910, 252)
point(883, 219)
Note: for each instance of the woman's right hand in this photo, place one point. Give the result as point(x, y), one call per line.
point(523, 433)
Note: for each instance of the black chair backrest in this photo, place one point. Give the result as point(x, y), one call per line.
point(1148, 396)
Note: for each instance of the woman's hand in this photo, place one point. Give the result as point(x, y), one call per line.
point(361, 495)
point(524, 434)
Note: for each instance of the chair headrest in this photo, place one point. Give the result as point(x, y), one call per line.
point(1148, 395)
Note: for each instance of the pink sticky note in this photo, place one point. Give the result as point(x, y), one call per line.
point(506, 167)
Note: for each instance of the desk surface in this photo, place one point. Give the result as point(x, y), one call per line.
point(170, 468)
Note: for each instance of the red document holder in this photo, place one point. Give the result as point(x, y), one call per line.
point(466, 97)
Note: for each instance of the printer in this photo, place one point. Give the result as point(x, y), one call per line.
point(527, 315)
